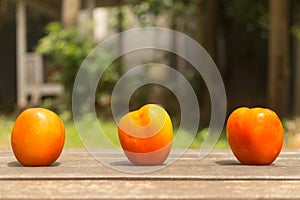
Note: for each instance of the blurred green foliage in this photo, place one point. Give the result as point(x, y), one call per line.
point(296, 32)
point(150, 9)
point(65, 47)
point(252, 14)
point(65, 50)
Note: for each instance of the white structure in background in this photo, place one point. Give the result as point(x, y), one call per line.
point(21, 50)
point(100, 23)
point(30, 81)
point(84, 22)
point(93, 22)
point(34, 86)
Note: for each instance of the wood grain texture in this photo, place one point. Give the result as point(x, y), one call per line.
point(79, 164)
point(78, 175)
point(148, 189)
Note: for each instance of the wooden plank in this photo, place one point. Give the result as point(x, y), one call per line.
point(79, 164)
point(141, 189)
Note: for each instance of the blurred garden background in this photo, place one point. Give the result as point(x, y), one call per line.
point(254, 43)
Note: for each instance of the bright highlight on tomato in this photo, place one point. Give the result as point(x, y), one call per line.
point(146, 135)
point(255, 135)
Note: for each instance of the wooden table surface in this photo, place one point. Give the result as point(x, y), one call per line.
point(77, 175)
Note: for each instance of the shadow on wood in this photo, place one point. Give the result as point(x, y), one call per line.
point(228, 162)
point(17, 164)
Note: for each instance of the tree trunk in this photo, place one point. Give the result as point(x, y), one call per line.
point(212, 28)
point(296, 60)
point(207, 37)
point(70, 9)
point(199, 30)
point(279, 95)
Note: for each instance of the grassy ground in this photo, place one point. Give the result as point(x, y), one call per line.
point(73, 139)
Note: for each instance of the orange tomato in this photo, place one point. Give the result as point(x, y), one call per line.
point(37, 137)
point(146, 135)
point(255, 135)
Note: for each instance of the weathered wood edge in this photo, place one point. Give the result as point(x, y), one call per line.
point(77, 164)
point(140, 189)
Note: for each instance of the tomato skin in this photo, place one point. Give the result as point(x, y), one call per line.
point(37, 137)
point(255, 135)
point(146, 135)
